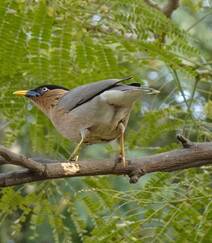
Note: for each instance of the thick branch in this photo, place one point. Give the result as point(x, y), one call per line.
point(192, 155)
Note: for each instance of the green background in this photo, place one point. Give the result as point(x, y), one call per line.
point(76, 42)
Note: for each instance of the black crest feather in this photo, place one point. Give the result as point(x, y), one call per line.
point(50, 87)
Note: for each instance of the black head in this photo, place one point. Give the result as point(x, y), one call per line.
point(39, 91)
point(44, 88)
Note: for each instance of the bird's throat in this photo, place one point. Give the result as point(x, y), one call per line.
point(47, 102)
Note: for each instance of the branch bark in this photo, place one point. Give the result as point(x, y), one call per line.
point(16, 159)
point(170, 7)
point(192, 155)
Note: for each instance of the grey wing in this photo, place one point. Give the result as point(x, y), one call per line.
point(84, 93)
point(122, 95)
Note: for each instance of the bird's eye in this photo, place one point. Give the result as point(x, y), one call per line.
point(44, 89)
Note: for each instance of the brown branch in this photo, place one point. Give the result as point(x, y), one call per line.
point(170, 7)
point(153, 5)
point(9, 157)
point(192, 155)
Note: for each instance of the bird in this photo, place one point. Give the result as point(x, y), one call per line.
point(96, 112)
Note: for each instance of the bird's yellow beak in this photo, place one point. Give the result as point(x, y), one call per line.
point(20, 92)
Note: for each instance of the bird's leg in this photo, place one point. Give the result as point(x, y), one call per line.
point(122, 148)
point(75, 154)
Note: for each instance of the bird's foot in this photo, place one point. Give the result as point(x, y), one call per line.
point(73, 158)
point(121, 159)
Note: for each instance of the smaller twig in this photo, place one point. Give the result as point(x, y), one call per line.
point(152, 4)
point(3, 161)
point(185, 142)
point(198, 21)
point(193, 93)
point(180, 87)
point(20, 160)
point(170, 7)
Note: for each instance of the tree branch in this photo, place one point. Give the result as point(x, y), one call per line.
point(16, 159)
point(170, 7)
point(192, 155)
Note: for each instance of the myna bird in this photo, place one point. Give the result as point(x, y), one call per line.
point(93, 113)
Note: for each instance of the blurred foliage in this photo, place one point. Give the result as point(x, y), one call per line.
point(75, 42)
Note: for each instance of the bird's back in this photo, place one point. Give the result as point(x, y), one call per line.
point(84, 93)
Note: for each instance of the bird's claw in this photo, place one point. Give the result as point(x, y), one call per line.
point(73, 158)
point(121, 159)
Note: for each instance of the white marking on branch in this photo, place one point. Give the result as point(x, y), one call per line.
point(70, 168)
